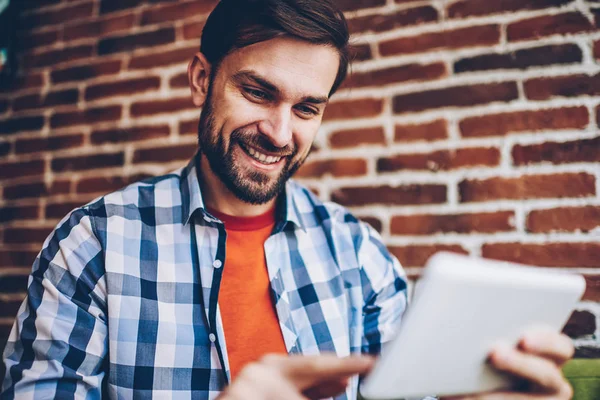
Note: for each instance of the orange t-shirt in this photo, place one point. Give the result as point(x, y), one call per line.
point(249, 319)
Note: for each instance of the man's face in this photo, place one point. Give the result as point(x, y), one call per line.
point(262, 113)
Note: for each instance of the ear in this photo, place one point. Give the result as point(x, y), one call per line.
point(198, 77)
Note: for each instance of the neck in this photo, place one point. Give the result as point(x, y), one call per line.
point(218, 197)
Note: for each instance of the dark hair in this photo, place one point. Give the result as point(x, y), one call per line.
point(235, 24)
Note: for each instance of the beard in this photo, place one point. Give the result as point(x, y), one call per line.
point(250, 186)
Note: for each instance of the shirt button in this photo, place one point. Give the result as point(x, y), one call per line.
point(217, 264)
point(212, 338)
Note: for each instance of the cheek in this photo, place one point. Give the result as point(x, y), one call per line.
point(305, 135)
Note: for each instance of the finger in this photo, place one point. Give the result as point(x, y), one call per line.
point(307, 371)
point(548, 344)
point(327, 389)
point(258, 381)
point(538, 370)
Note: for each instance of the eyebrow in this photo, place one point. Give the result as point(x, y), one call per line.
point(242, 76)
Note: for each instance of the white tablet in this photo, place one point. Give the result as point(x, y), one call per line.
point(462, 307)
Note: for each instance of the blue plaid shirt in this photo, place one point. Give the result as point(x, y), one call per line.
point(122, 299)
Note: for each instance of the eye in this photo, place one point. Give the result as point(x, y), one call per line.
point(307, 111)
point(256, 94)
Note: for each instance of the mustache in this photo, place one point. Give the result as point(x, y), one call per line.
point(260, 142)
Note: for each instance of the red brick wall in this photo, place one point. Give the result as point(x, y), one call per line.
point(467, 125)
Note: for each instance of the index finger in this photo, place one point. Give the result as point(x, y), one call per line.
point(306, 371)
point(549, 344)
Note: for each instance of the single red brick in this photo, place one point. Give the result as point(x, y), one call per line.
point(597, 49)
point(592, 288)
point(19, 169)
point(86, 117)
point(101, 184)
point(52, 57)
point(108, 6)
point(357, 137)
point(523, 121)
point(529, 187)
point(457, 96)
point(427, 224)
point(144, 108)
point(522, 59)
point(19, 213)
point(13, 283)
point(99, 27)
point(548, 25)
point(580, 323)
point(417, 255)
point(5, 148)
point(467, 8)
point(575, 255)
point(34, 4)
point(403, 73)
point(122, 87)
point(32, 40)
point(399, 195)
point(339, 167)
point(373, 221)
point(116, 44)
point(4, 105)
point(429, 131)
point(57, 16)
point(193, 30)
point(87, 71)
point(25, 191)
point(58, 187)
point(562, 86)
point(360, 52)
point(398, 19)
point(21, 124)
point(9, 308)
point(45, 144)
point(350, 5)
point(163, 58)
point(29, 81)
point(51, 99)
point(179, 81)
point(132, 134)
point(441, 160)
point(30, 236)
point(93, 161)
point(59, 210)
point(564, 219)
point(583, 150)
point(14, 258)
point(485, 35)
point(179, 152)
point(347, 109)
point(177, 11)
point(188, 127)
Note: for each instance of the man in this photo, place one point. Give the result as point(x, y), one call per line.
point(175, 286)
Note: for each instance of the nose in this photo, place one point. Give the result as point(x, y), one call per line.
point(277, 126)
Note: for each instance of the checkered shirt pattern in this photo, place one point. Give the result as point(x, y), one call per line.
point(122, 299)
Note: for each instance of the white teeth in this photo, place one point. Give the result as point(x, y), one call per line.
point(265, 159)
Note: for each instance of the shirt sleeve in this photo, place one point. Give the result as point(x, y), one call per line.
point(384, 291)
point(58, 342)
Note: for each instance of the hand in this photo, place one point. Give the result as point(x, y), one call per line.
point(295, 377)
point(538, 361)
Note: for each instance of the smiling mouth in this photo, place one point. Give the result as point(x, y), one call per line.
point(260, 157)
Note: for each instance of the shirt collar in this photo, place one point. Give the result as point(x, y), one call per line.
point(191, 198)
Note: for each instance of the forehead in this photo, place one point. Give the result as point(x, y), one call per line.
point(295, 67)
